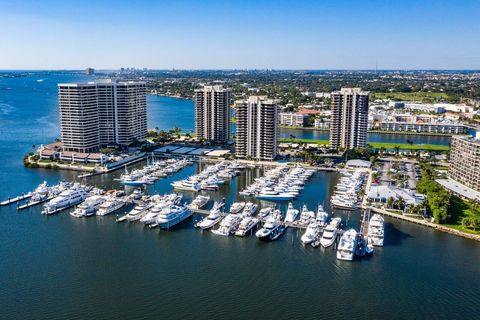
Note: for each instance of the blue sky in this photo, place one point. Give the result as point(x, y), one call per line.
point(341, 34)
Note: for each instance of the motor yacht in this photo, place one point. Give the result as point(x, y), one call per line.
point(237, 207)
point(272, 228)
point(186, 185)
point(247, 224)
point(172, 216)
point(229, 224)
point(306, 216)
point(199, 202)
point(376, 230)
point(66, 199)
point(88, 207)
point(322, 216)
point(330, 232)
point(212, 219)
point(110, 205)
point(265, 212)
point(138, 212)
point(250, 209)
point(347, 245)
point(311, 233)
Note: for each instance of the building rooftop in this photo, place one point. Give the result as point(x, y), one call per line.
point(356, 163)
point(460, 189)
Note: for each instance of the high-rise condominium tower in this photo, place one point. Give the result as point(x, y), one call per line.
point(348, 126)
point(212, 113)
point(257, 128)
point(99, 113)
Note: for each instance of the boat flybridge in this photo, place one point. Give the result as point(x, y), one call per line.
point(330, 232)
point(347, 245)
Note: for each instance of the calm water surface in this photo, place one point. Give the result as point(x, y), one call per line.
point(59, 267)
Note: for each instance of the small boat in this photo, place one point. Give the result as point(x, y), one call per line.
point(247, 224)
point(347, 245)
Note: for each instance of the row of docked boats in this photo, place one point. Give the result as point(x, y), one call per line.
point(211, 178)
point(152, 172)
point(347, 190)
point(279, 184)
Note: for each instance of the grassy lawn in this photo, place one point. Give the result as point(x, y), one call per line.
point(412, 96)
point(458, 210)
point(407, 146)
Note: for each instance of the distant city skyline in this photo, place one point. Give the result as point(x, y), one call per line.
point(240, 35)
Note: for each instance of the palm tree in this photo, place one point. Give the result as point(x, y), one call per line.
point(400, 203)
point(390, 202)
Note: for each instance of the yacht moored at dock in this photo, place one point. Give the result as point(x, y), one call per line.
point(247, 224)
point(330, 232)
point(347, 245)
point(376, 230)
point(66, 199)
point(272, 228)
point(229, 224)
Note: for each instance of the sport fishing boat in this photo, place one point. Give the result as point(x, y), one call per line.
point(272, 229)
point(347, 245)
point(322, 216)
point(376, 230)
point(291, 214)
point(330, 232)
point(212, 219)
point(246, 225)
point(65, 199)
point(229, 224)
point(172, 216)
point(306, 216)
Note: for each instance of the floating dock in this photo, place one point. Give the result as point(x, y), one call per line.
point(16, 199)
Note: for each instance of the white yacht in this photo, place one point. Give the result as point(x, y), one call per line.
point(237, 207)
point(246, 225)
point(138, 212)
point(199, 202)
point(65, 199)
point(291, 214)
point(250, 209)
point(186, 185)
point(172, 216)
point(330, 232)
point(229, 224)
point(88, 207)
point(265, 212)
point(311, 233)
point(376, 230)
point(212, 219)
point(347, 245)
point(152, 214)
point(272, 229)
point(111, 205)
point(40, 193)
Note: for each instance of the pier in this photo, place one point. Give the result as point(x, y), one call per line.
point(16, 199)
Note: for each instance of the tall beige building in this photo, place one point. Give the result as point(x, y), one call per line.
point(257, 128)
point(212, 113)
point(464, 165)
point(349, 121)
point(100, 113)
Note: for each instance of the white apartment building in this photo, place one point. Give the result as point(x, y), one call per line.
point(293, 119)
point(257, 128)
point(212, 113)
point(100, 113)
point(349, 121)
point(322, 123)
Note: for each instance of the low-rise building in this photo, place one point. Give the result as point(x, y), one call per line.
point(421, 123)
point(293, 119)
point(322, 123)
